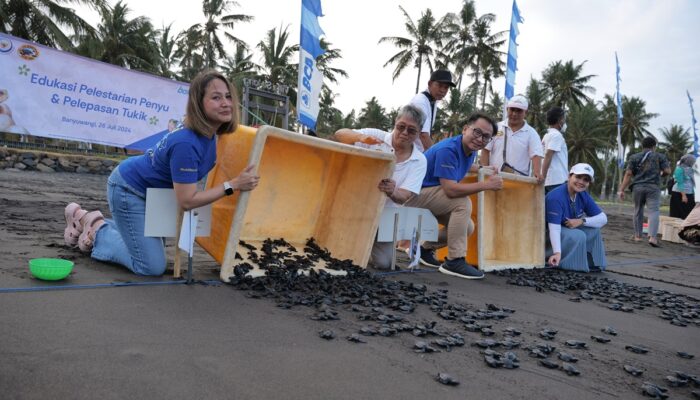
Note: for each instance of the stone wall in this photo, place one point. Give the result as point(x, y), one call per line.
point(25, 160)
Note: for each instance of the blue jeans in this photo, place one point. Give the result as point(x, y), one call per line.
point(121, 240)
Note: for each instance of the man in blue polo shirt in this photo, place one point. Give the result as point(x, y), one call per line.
point(447, 197)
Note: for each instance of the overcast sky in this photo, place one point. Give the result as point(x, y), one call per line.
point(656, 41)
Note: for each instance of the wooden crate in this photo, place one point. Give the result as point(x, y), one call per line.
point(509, 224)
point(669, 228)
point(309, 187)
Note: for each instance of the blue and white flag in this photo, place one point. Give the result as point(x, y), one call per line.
point(693, 122)
point(618, 99)
point(310, 79)
point(512, 62)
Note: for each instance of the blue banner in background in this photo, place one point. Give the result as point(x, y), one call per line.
point(310, 79)
point(50, 93)
point(618, 99)
point(693, 121)
point(512, 63)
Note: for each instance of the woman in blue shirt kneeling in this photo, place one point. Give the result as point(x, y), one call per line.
point(177, 161)
point(574, 221)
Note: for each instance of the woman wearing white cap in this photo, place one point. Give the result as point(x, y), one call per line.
point(574, 221)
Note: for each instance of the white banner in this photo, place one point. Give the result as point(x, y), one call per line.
point(51, 93)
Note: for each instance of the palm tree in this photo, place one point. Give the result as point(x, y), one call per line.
point(419, 48)
point(189, 45)
point(240, 66)
point(277, 58)
point(42, 21)
point(486, 58)
point(373, 115)
point(459, 38)
point(166, 52)
point(635, 121)
point(494, 108)
point(128, 43)
point(676, 142)
point(456, 111)
point(566, 84)
point(323, 62)
point(584, 137)
point(330, 118)
point(213, 48)
point(537, 94)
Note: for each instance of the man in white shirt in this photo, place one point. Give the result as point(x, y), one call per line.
point(556, 155)
point(409, 171)
point(438, 85)
point(518, 141)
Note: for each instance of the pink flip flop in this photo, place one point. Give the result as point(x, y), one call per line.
point(73, 213)
point(91, 223)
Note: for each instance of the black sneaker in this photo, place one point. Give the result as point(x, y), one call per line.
point(427, 258)
point(459, 267)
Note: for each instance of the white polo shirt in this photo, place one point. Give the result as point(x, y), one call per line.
point(408, 174)
point(559, 167)
point(421, 101)
point(523, 144)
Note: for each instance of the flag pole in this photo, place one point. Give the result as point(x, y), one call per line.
point(512, 62)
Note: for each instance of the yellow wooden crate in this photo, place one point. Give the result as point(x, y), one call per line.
point(509, 223)
point(309, 187)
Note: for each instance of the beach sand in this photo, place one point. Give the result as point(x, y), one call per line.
point(180, 341)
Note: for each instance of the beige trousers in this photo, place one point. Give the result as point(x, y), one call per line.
point(455, 216)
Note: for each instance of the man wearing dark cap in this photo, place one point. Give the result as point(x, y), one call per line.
point(438, 85)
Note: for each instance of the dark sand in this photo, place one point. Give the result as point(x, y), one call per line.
point(184, 342)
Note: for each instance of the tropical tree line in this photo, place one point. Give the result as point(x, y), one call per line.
point(463, 42)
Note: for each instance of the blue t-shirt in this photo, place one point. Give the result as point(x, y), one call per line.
point(181, 157)
point(447, 160)
point(558, 206)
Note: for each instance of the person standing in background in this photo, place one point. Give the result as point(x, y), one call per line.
point(556, 154)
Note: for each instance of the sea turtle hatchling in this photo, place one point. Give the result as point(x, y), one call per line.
point(576, 344)
point(655, 391)
point(600, 339)
point(327, 334)
point(567, 357)
point(446, 379)
point(609, 330)
point(634, 371)
point(423, 347)
point(637, 349)
point(570, 369)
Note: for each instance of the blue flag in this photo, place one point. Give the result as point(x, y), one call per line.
point(618, 99)
point(310, 79)
point(693, 122)
point(511, 65)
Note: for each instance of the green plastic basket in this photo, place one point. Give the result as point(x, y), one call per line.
point(50, 269)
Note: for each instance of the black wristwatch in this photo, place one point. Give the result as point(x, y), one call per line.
point(228, 189)
point(583, 221)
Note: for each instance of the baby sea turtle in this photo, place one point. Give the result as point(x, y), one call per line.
point(570, 369)
point(355, 338)
point(510, 360)
point(486, 343)
point(548, 334)
point(493, 361)
point(609, 330)
point(634, 371)
point(368, 330)
point(637, 349)
point(652, 390)
point(487, 332)
point(387, 331)
point(423, 347)
point(510, 331)
point(549, 364)
point(446, 379)
point(683, 354)
point(674, 381)
point(545, 348)
point(600, 339)
point(327, 334)
point(696, 394)
point(576, 344)
point(567, 357)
